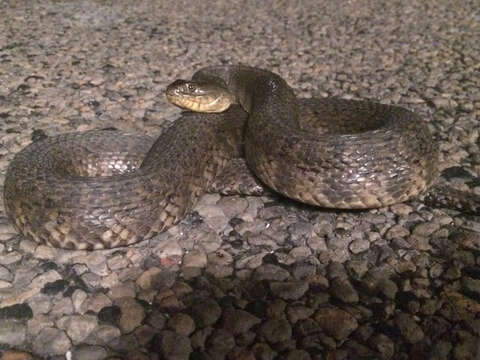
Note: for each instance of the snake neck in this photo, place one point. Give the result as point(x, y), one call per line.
point(261, 93)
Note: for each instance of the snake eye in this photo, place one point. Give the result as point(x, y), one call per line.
point(191, 87)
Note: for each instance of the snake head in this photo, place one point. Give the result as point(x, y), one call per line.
point(199, 97)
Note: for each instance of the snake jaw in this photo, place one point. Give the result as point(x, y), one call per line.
point(199, 97)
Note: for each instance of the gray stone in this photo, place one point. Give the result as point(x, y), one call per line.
point(452, 273)
point(24, 275)
point(357, 268)
point(233, 206)
point(250, 262)
point(213, 216)
point(144, 334)
point(436, 270)
point(220, 257)
point(289, 290)
point(164, 278)
point(121, 290)
point(78, 327)
point(303, 270)
point(359, 246)
point(426, 229)
point(30, 289)
point(263, 351)
point(103, 334)
point(401, 209)
point(297, 355)
point(270, 272)
point(182, 324)
point(276, 330)
point(441, 350)
point(444, 103)
point(62, 307)
point(412, 332)
point(317, 243)
point(124, 343)
point(397, 231)
point(10, 258)
point(199, 338)
point(7, 231)
point(276, 308)
point(383, 344)
point(78, 297)
point(118, 262)
point(157, 320)
point(467, 345)
point(300, 232)
point(132, 314)
point(388, 288)
point(307, 327)
point(343, 290)
point(5, 274)
point(96, 262)
point(173, 346)
point(254, 205)
point(220, 342)
point(181, 289)
point(50, 342)
point(420, 242)
point(364, 332)
point(336, 270)
point(95, 303)
point(245, 339)
point(12, 332)
point(336, 322)
point(92, 281)
point(206, 239)
point(169, 252)
point(401, 243)
point(37, 323)
point(298, 312)
point(195, 258)
point(206, 313)
point(88, 352)
point(263, 240)
point(167, 301)
point(219, 271)
point(238, 321)
point(471, 286)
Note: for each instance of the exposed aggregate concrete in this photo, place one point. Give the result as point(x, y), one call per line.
point(246, 277)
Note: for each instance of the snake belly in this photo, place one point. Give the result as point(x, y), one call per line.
point(105, 189)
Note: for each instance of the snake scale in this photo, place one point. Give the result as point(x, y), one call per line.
point(105, 189)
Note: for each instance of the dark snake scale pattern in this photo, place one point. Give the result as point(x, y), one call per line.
point(104, 189)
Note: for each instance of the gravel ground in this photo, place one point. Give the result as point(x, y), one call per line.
point(246, 277)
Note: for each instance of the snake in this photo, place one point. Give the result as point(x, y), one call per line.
point(102, 189)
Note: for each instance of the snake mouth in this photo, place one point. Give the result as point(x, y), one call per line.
point(199, 97)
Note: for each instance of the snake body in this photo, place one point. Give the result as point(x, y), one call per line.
point(104, 189)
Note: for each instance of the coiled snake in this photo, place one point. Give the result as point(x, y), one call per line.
point(104, 189)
